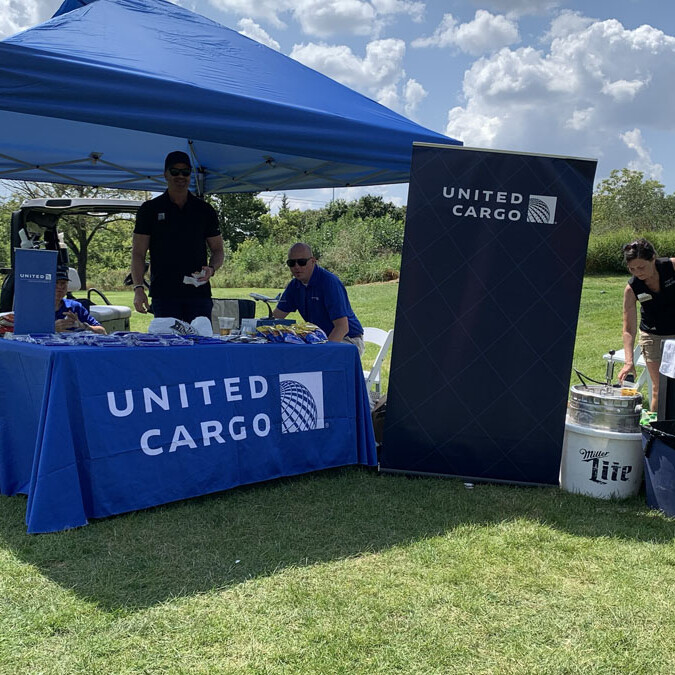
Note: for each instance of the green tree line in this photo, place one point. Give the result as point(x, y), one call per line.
point(360, 240)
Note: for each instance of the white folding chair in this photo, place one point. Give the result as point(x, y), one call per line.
point(638, 360)
point(383, 339)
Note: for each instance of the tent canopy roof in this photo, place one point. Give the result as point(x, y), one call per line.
point(103, 90)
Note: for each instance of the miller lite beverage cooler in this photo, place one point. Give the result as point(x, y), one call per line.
point(602, 447)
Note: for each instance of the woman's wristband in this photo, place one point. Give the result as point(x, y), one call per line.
point(139, 286)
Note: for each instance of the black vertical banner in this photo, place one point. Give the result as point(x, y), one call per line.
point(493, 263)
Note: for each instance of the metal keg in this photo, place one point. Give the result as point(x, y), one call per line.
point(603, 407)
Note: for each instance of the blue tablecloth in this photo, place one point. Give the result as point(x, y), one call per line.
point(88, 432)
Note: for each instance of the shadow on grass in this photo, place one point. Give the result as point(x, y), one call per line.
point(143, 558)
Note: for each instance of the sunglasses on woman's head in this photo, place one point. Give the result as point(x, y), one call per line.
point(180, 172)
point(300, 261)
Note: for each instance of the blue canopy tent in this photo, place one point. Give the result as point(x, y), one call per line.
point(102, 91)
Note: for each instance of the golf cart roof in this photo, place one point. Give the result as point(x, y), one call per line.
point(93, 207)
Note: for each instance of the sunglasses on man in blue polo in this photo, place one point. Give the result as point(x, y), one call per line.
point(291, 262)
point(179, 172)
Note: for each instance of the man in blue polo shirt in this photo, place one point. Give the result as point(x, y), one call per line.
point(320, 297)
point(70, 315)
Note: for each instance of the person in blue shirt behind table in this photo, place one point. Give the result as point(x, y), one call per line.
point(320, 297)
point(70, 315)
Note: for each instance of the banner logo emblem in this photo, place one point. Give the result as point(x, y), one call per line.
point(541, 209)
point(301, 402)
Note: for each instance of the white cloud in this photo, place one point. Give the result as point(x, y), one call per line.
point(413, 94)
point(336, 61)
point(252, 30)
point(323, 18)
point(388, 96)
point(485, 33)
point(643, 162)
point(566, 23)
point(519, 7)
point(622, 90)
point(379, 74)
point(380, 68)
point(414, 9)
point(443, 35)
point(18, 15)
point(473, 128)
point(580, 119)
point(591, 85)
point(269, 10)
point(326, 17)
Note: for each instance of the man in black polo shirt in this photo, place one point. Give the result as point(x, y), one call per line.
point(177, 228)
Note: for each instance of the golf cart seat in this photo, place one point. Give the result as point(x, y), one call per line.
point(111, 317)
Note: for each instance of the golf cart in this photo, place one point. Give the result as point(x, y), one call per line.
point(35, 225)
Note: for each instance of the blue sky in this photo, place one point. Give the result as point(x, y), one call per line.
point(587, 79)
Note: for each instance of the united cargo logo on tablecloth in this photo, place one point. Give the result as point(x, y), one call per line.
point(207, 412)
point(301, 401)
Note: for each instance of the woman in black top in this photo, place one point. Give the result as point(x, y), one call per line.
point(653, 286)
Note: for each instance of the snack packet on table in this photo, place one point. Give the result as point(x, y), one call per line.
point(270, 333)
point(306, 333)
point(311, 333)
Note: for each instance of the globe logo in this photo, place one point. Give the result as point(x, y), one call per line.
point(537, 211)
point(298, 407)
point(541, 209)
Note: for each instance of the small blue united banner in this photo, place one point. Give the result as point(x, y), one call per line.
point(34, 291)
point(491, 276)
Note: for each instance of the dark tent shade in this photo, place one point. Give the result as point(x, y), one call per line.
point(101, 92)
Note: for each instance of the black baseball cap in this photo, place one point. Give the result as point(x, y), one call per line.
point(176, 157)
point(62, 273)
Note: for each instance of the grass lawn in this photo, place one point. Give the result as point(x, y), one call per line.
point(348, 571)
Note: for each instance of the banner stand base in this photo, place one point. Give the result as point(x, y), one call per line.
point(465, 479)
